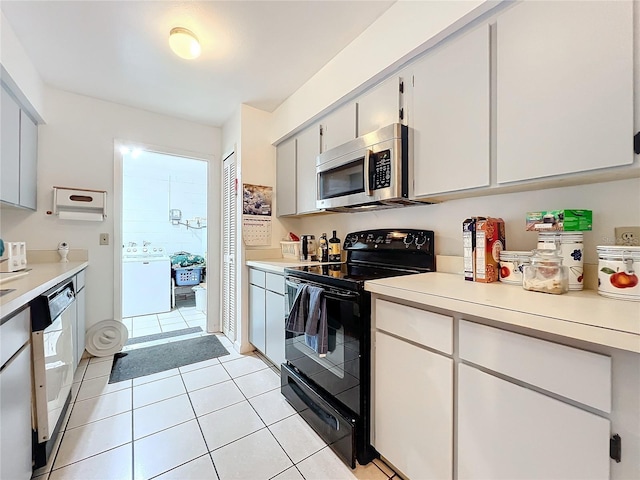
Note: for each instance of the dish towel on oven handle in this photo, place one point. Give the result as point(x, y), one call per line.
point(316, 329)
point(308, 315)
point(297, 318)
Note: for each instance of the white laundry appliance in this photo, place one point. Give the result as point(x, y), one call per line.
point(146, 281)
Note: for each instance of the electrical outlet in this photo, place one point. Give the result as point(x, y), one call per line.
point(104, 239)
point(629, 236)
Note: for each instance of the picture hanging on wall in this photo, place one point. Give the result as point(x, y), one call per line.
point(256, 214)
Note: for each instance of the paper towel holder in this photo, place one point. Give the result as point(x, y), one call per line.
point(79, 204)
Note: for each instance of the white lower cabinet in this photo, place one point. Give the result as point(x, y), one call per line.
point(413, 408)
point(256, 316)
point(274, 327)
point(506, 431)
point(525, 408)
point(266, 314)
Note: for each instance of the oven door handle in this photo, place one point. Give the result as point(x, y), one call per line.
point(327, 293)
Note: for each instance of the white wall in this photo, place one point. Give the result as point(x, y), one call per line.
point(22, 79)
point(614, 204)
point(76, 149)
point(153, 184)
point(406, 29)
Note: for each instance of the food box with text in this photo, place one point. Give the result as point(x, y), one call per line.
point(560, 220)
point(490, 241)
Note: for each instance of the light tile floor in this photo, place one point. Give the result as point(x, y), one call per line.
point(184, 315)
point(222, 419)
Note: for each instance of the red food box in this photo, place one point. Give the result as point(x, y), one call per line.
point(490, 241)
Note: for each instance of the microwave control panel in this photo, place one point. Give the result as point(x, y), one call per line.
point(380, 174)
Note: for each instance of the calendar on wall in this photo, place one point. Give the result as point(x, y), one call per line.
point(256, 214)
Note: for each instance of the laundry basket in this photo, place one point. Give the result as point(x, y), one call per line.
point(188, 276)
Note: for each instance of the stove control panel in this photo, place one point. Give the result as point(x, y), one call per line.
point(381, 240)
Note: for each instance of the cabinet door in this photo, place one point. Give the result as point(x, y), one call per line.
point(450, 116)
point(510, 432)
point(413, 408)
point(256, 317)
point(564, 88)
point(28, 161)
point(380, 106)
point(285, 178)
point(15, 417)
point(9, 149)
point(339, 127)
point(307, 150)
point(81, 324)
point(274, 319)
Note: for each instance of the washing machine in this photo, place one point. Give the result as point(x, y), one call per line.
point(146, 281)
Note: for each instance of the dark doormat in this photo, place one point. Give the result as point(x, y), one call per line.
point(160, 336)
point(145, 361)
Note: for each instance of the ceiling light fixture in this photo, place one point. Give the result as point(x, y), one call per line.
point(184, 43)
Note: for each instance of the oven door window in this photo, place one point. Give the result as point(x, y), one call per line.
point(338, 373)
point(341, 181)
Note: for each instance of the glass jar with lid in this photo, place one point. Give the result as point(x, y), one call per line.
point(546, 273)
point(512, 264)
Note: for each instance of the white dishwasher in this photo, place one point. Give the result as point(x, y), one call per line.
point(15, 396)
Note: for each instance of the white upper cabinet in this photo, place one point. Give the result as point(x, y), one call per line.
point(308, 150)
point(338, 127)
point(380, 106)
point(10, 150)
point(285, 178)
point(450, 115)
point(28, 161)
point(564, 88)
point(18, 154)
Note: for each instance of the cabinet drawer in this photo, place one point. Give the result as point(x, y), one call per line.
point(421, 326)
point(275, 283)
point(573, 373)
point(14, 332)
point(78, 281)
point(257, 277)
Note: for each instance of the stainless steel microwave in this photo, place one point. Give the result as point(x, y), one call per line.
point(371, 171)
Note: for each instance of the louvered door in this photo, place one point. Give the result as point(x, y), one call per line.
point(229, 248)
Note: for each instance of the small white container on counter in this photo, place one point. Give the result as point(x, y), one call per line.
point(511, 265)
point(618, 270)
point(571, 246)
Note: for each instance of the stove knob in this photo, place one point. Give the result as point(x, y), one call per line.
point(421, 239)
point(408, 240)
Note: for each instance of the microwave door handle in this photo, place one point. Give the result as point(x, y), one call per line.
point(367, 173)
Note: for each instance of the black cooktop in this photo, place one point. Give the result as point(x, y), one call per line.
point(374, 254)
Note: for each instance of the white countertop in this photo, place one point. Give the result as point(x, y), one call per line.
point(39, 279)
point(583, 315)
point(277, 265)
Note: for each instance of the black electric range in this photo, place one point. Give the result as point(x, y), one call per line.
point(332, 391)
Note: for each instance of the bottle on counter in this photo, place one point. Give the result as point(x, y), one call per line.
point(323, 255)
point(334, 248)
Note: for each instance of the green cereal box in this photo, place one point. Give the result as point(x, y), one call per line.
point(559, 221)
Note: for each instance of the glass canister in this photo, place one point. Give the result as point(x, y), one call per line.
point(546, 273)
point(571, 244)
point(618, 270)
point(511, 265)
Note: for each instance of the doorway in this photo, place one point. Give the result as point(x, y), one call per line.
point(163, 264)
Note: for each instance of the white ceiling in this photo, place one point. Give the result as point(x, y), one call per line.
point(253, 52)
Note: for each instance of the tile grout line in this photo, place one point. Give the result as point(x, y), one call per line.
point(195, 414)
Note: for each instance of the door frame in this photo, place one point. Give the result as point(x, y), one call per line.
point(214, 247)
